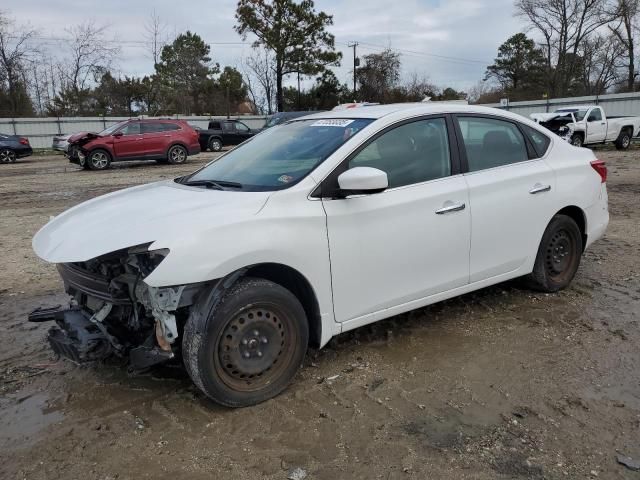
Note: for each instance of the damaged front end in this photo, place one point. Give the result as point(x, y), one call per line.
point(114, 312)
point(76, 142)
point(560, 124)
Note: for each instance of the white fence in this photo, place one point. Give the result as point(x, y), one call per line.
point(40, 131)
point(615, 104)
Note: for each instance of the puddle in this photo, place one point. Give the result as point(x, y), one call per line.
point(23, 417)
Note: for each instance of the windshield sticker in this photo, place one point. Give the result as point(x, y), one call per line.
point(332, 122)
point(285, 179)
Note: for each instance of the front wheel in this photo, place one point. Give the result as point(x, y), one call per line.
point(177, 155)
point(7, 156)
point(577, 140)
point(215, 145)
point(98, 160)
point(624, 141)
point(247, 347)
point(558, 256)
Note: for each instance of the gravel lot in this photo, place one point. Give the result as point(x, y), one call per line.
point(502, 383)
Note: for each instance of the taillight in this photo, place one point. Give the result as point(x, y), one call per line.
point(24, 141)
point(600, 167)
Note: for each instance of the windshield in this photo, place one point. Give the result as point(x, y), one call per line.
point(579, 114)
point(272, 122)
point(280, 156)
point(112, 128)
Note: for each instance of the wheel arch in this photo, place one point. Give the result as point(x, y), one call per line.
point(296, 283)
point(177, 143)
point(104, 148)
point(578, 216)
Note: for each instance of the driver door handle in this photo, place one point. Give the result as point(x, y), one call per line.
point(451, 208)
point(539, 188)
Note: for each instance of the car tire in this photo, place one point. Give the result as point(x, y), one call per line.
point(177, 155)
point(558, 256)
point(215, 145)
point(624, 140)
point(247, 346)
point(7, 156)
point(577, 140)
point(98, 159)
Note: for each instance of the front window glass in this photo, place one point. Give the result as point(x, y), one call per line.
point(280, 157)
point(241, 127)
point(112, 128)
point(412, 153)
point(578, 114)
point(131, 129)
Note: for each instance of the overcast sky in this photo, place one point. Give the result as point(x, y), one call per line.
point(451, 42)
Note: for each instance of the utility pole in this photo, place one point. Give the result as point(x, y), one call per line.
point(356, 64)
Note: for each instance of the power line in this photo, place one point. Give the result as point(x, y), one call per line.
point(372, 46)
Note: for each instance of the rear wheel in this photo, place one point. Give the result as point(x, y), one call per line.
point(248, 347)
point(7, 156)
point(558, 256)
point(624, 140)
point(177, 155)
point(98, 160)
point(215, 145)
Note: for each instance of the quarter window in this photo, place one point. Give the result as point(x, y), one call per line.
point(491, 143)
point(539, 140)
point(411, 153)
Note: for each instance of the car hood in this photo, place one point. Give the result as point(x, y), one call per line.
point(164, 211)
point(77, 137)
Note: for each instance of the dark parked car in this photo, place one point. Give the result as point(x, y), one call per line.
point(281, 117)
point(13, 147)
point(166, 141)
point(223, 133)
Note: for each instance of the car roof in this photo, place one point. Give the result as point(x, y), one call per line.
point(411, 109)
point(575, 108)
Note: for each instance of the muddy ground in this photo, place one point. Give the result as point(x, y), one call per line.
point(502, 383)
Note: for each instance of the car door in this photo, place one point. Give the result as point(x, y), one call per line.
point(128, 141)
point(229, 134)
point(511, 194)
point(156, 139)
point(395, 248)
point(242, 131)
point(596, 126)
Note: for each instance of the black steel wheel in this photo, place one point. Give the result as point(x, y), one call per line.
point(215, 144)
point(7, 156)
point(558, 256)
point(247, 347)
point(177, 155)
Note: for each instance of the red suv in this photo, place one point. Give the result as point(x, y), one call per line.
point(166, 141)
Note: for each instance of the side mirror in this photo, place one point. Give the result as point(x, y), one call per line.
point(118, 134)
point(363, 180)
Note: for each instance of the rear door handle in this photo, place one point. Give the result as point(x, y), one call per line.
point(451, 208)
point(539, 188)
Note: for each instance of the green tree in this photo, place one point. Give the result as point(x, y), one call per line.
point(184, 70)
point(378, 77)
point(294, 32)
point(519, 68)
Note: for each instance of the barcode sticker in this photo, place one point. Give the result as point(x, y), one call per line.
point(332, 122)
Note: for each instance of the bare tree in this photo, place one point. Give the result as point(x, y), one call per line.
point(15, 52)
point(90, 53)
point(564, 25)
point(625, 29)
point(602, 61)
point(156, 36)
point(260, 78)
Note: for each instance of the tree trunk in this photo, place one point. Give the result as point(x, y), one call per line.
point(632, 68)
point(279, 96)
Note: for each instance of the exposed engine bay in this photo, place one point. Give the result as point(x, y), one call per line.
point(558, 123)
point(113, 312)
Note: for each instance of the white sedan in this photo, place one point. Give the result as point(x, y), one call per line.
point(316, 227)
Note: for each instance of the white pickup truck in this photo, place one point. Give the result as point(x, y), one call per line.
point(588, 125)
